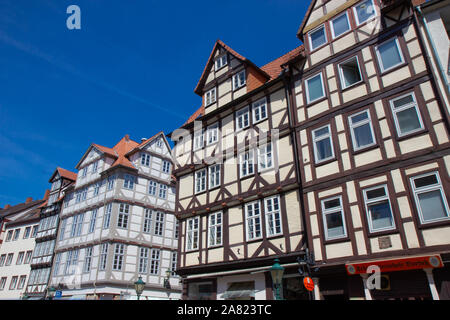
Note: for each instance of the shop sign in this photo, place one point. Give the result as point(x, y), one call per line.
point(308, 283)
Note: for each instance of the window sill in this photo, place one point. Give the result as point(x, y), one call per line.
point(410, 135)
point(352, 86)
point(374, 234)
point(434, 224)
point(392, 69)
point(336, 240)
point(322, 163)
point(311, 103)
point(365, 149)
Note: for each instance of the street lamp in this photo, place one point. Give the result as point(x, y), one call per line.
point(51, 293)
point(167, 282)
point(139, 287)
point(277, 276)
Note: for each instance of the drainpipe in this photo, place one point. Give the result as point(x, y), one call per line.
point(435, 54)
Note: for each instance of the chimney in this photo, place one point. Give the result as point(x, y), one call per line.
point(47, 192)
point(7, 206)
point(29, 199)
point(127, 137)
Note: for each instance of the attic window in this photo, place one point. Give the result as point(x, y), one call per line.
point(221, 62)
point(210, 97)
point(239, 80)
point(318, 37)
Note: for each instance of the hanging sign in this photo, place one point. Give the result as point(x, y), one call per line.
point(308, 283)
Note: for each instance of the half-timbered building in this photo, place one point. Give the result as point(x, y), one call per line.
point(117, 224)
point(238, 197)
point(41, 262)
point(373, 148)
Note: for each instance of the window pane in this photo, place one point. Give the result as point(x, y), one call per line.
point(350, 72)
point(390, 55)
point(332, 203)
point(324, 149)
point(426, 181)
point(318, 38)
point(365, 11)
point(432, 205)
point(376, 193)
point(340, 25)
point(408, 120)
point(363, 135)
point(335, 224)
point(315, 90)
point(403, 101)
point(381, 215)
point(320, 132)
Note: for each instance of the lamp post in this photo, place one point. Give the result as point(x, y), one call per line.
point(277, 276)
point(139, 287)
point(51, 293)
point(167, 282)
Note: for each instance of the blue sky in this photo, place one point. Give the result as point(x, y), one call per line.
point(131, 69)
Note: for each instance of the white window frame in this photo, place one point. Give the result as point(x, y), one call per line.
point(103, 257)
point(341, 73)
point(322, 26)
point(242, 114)
point(212, 134)
point(325, 212)
point(214, 174)
point(248, 164)
point(328, 136)
point(380, 61)
point(143, 260)
point(200, 180)
point(155, 261)
point(199, 140)
point(355, 13)
point(87, 259)
point(152, 187)
point(192, 233)
point(379, 199)
point(166, 166)
point(402, 108)
point(220, 62)
point(107, 218)
point(358, 124)
point(251, 220)
point(307, 88)
point(215, 228)
point(123, 216)
point(239, 84)
point(159, 223)
point(274, 215)
point(260, 105)
point(429, 188)
point(129, 181)
point(333, 34)
point(162, 193)
point(119, 254)
point(147, 225)
point(93, 220)
point(94, 167)
point(210, 96)
point(265, 155)
point(145, 159)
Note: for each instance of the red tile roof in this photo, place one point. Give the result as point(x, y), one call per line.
point(67, 174)
point(124, 146)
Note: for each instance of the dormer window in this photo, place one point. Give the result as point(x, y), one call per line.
point(239, 80)
point(210, 97)
point(317, 38)
point(221, 62)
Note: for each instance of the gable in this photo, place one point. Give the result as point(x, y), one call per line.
point(91, 156)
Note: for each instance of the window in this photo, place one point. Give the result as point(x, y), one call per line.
point(198, 139)
point(212, 133)
point(128, 182)
point(406, 115)
point(16, 234)
point(13, 283)
point(152, 185)
point(103, 256)
point(78, 197)
point(122, 218)
point(361, 130)
point(214, 176)
point(62, 230)
point(265, 157)
point(378, 209)
point(192, 233)
point(87, 259)
point(2, 283)
point(94, 167)
point(93, 220)
point(239, 80)
point(28, 257)
point(143, 260)
point(77, 225)
point(340, 25)
point(177, 226)
point(389, 54)
point(159, 143)
point(111, 180)
point(350, 72)
point(154, 262)
point(317, 38)
point(34, 231)
point(107, 218)
point(84, 194)
point(97, 188)
point(118, 256)
point(166, 166)
point(430, 198)
point(162, 191)
point(147, 221)
point(323, 144)
point(145, 159)
point(20, 257)
point(9, 259)
point(57, 263)
point(246, 162)
point(221, 62)
point(364, 11)
point(21, 282)
point(314, 88)
point(210, 97)
point(71, 262)
point(159, 223)
point(215, 229)
point(273, 216)
point(253, 217)
point(9, 235)
point(2, 260)
point(27, 233)
point(173, 265)
point(200, 181)
point(333, 218)
point(259, 110)
point(84, 172)
point(242, 119)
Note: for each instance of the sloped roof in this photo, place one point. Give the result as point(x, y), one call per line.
point(19, 207)
point(124, 146)
point(31, 216)
point(64, 174)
